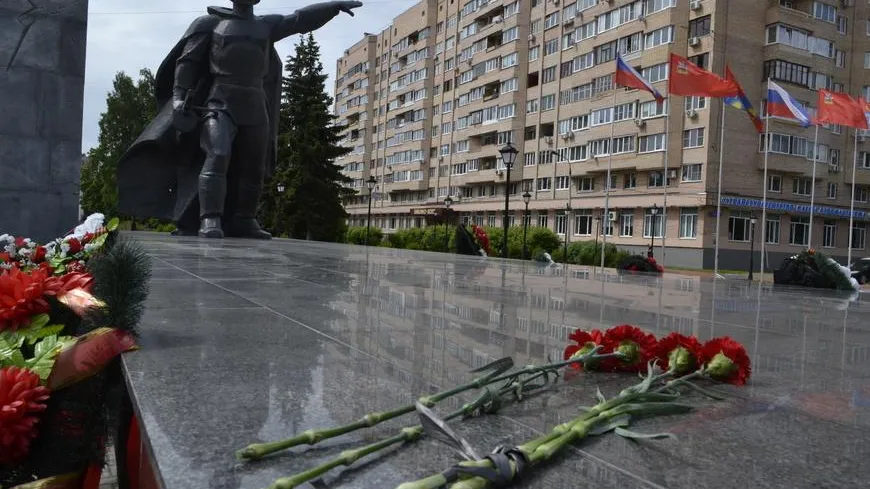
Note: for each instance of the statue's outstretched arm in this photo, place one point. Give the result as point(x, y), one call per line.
point(310, 18)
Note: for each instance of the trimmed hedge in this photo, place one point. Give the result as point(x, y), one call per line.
point(357, 235)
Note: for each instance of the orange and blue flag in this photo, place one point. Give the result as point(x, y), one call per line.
point(741, 102)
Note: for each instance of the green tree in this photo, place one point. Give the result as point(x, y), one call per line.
point(310, 207)
point(130, 106)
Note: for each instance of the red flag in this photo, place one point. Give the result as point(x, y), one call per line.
point(839, 108)
point(688, 79)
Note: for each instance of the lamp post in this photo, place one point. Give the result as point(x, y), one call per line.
point(526, 198)
point(752, 221)
point(447, 203)
point(565, 245)
point(652, 231)
point(370, 183)
point(508, 157)
point(597, 232)
point(280, 188)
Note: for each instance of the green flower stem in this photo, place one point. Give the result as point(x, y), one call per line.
point(257, 451)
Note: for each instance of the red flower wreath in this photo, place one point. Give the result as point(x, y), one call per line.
point(22, 295)
point(632, 342)
point(727, 361)
point(681, 353)
point(21, 398)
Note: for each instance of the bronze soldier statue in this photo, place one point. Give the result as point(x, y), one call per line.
point(202, 161)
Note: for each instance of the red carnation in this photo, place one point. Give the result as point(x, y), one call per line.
point(74, 245)
point(19, 242)
point(681, 353)
point(38, 254)
point(583, 343)
point(727, 361)
point(87, 238)
point(4, 257)
point(632, 342)
point(21, 398)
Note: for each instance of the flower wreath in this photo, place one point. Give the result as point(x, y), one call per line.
point(57, 301)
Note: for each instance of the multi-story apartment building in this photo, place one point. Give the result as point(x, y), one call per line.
point(429, 101)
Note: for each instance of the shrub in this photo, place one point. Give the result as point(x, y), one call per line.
point(538, 239)
point(357, 235)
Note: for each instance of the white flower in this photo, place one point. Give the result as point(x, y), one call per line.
point(5, 238)
point(50, 249)
point(91, 225)
point(64, 248)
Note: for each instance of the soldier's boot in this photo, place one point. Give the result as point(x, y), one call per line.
point(244, 223)
point(212, 194)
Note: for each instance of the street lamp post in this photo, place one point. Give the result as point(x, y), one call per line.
point(447, 203)
point(652, 231)
point(370, 183)
point(752, 221)
point(280, 188)
point(597, 232)
point(526, 198)
point(508, 157)
point(565, 245)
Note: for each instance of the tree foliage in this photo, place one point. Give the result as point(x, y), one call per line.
point(130, 106)
point(310, 206)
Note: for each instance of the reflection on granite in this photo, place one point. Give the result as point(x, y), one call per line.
point(247, 341)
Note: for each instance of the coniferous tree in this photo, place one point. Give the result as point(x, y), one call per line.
point(130, 106)
point(310, 207)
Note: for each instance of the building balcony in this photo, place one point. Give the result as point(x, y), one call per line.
point(788, 164)
point(407, 186)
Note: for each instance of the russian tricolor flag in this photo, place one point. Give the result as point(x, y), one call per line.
point(627, 76)
point(781, 104)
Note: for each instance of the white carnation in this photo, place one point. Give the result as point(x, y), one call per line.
point(91, 225)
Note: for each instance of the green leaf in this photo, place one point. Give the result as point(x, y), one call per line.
point(642, 436)
point(612, 424)
point(100, 240)
point(44, 354)
point(38, 321)
point(599, 396)
point(34, 335)
point(113, 224)
point(703, 391)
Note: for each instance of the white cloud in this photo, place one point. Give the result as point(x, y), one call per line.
point(128, 35)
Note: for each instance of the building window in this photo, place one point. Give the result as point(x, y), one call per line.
point(774, 183)
point(772, 230)
point(630, 181)
point(799, 231)
point(583, 223)
point(652, 223)
point(563, 183)
point(825, 12)
point(696, 103)
point(689, 223)
point(829, 234)
point(859, 235)
point(701, 60)
point(693, 138)
point(544, 184)
point(788, 72)
point(626, 225)
point(700, 26)
point(651, 143)
point(738, 226)
point(656, 179)
point(561, 223)
point(691, 173)
point(802, 186)
point(587, 184)
point(832, 190)
point(543, 221)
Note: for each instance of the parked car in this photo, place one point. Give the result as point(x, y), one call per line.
point(861, 270)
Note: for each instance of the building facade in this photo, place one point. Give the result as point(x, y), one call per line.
point(428, 102)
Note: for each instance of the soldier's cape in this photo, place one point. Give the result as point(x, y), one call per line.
point(158, 175)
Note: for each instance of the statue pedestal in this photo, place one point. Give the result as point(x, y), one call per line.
point(42, 75)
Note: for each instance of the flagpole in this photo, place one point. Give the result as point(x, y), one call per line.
point(764, 193)
point(665, 179)
point(605, 219)
point(852, 201)
point(813, 189)
point(719, 193)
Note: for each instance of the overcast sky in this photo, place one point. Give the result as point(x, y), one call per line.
point(128, 35)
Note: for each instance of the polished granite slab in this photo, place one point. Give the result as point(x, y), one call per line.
point(255, 341)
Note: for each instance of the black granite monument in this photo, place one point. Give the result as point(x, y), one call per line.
point(202, 161)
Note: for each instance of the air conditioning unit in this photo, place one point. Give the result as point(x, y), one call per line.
point(672, 173)
point(848, 3)
point(565, 136)
point(642, 18)
point(555, 2)
point(692, 114)
point(612, 216)
point(695, 5)
point(571, 136)
point(639, 122)
point(861, 139)
point(496, 19)
point(499, 173)
point(568, 21)
point(694, 42)
point(833, 168)
point(549, 140)
point(531, 38)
